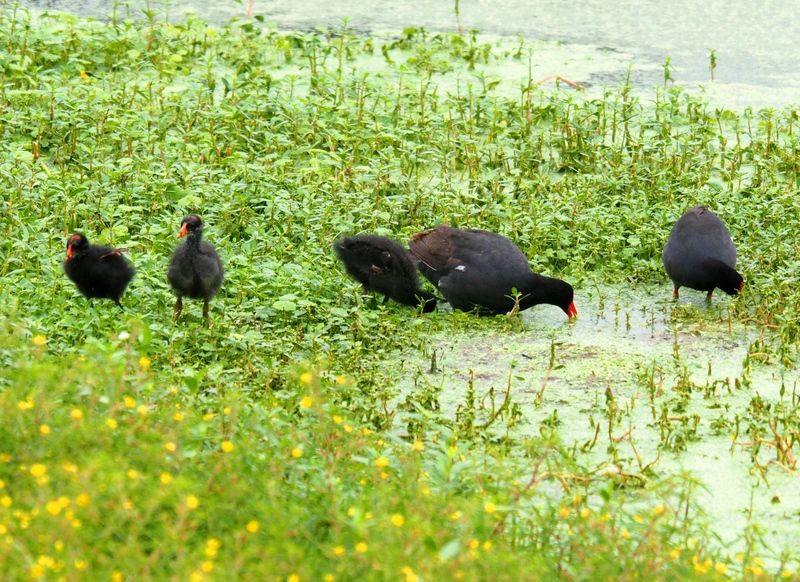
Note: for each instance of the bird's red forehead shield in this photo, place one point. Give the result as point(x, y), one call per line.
point(572, 311)
point(75, 238)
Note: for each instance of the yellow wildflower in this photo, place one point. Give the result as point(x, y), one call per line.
point(362, 547)
point(207, 566)
point(76, 413)
point(306, 402)
point(144, 363)
point(192, 502)
point(252, 526)
point(409, 574)
point(5, 501)
point(337, 419)
point(133, 474)
point(111, 423)
point(398, 520)
point(293, 578)
point(381, 462)
point(306, 378)
point(80, 565)
point(297, 452)
point(585, 512)
point(177, 417)
point(117, 576)
point(659, 509)
point(564, 512)
point(417, 446)
point(339, 551)
point(212, 546)
point(489, 507)
point(44, 429)
point(82, 500)
point(129, 402)
point(226, 446)
point(341, 380)
point(53, 507)
point(38, 470)
point(165, 478)
point(474, 544)
point(701, 567)
point(85, 77)
point(720, 568)
point(39, 340)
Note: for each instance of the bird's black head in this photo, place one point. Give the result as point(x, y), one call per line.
point(561, 294)
point(731, 282)
point(191, 224)
point(76, 243)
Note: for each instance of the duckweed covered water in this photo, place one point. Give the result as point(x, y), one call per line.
point(638, 387)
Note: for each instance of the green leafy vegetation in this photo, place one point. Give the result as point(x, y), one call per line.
point(269, 445)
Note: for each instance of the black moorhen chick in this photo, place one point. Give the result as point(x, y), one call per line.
point(701, 255)
point(97, 271)
point(195, 269)
point(476, 269)
point(383, 265)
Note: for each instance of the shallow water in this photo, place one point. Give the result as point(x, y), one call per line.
point(756, 44)
point(619, 340)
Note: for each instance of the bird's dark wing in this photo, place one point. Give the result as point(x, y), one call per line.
point(113, 253)
point(433, 247)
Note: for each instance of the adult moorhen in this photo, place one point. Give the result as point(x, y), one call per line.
point(383, 265)
point(97, 271)
point(195, 269)
point(476, 269)
point(701, 255)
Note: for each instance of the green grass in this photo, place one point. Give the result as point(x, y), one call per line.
point(284, 142)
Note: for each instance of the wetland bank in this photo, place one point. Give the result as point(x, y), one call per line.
point(304, 435)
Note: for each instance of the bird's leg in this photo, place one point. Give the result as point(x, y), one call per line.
point(205, 313)
point(675, 294)
point(708, 296)
point(385, 299)
point(119, 304)
point(176, 312)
